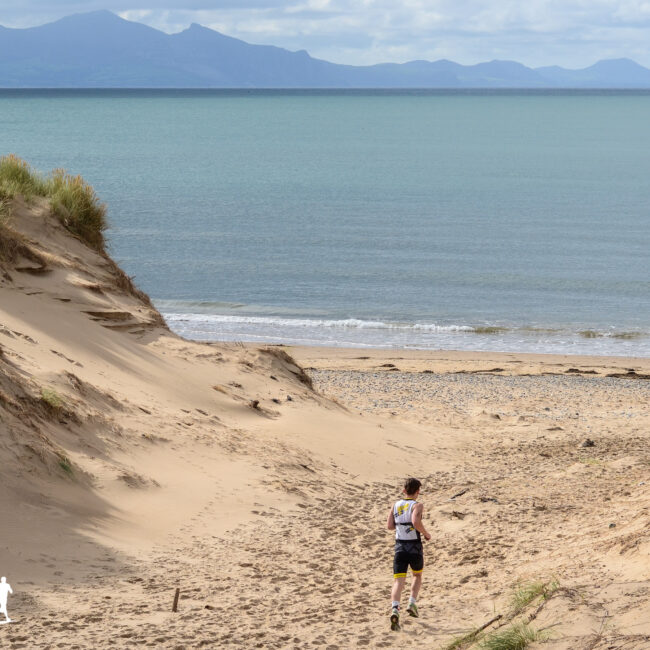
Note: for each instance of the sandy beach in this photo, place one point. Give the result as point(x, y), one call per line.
point(257, 480)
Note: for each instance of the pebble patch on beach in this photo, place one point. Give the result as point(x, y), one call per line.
point(547, 397)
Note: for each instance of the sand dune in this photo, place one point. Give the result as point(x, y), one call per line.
point(135, 462)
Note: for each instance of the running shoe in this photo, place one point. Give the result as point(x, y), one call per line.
point(412, 609)
point(394, 620)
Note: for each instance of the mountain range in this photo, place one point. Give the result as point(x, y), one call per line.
point(101, 50)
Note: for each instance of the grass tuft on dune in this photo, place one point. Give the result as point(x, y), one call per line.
point(516, 637)
point(519, 634)
point(72, 199)
point(528, 592)
point(17, 177)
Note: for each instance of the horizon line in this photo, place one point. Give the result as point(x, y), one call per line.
point(376, 89)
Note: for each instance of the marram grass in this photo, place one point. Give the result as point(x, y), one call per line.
point(461, 642)
point(4, 210)
point(17, 177)
point(72, 199)
point(527, 592)
point(516, 637)
point(519, 635)
point(75, 203)
point(51, 398)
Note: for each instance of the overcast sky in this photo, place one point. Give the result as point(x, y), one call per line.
point(572, 33)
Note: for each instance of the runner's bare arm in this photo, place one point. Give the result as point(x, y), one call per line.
point(416, 518)
point(390, 524)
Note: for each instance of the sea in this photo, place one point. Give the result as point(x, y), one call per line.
point(468, 220)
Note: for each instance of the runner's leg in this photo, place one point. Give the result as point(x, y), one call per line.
point(398, 586)
point(416, 584)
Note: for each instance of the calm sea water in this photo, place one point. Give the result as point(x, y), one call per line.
point(496, 220)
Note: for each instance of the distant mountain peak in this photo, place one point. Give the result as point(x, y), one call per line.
point(617, 63)
point(195, 29)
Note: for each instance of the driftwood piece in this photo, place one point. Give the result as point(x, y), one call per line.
point(459, 494)
point(492, 620)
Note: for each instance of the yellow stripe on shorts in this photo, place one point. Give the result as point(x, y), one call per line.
point(414, 572)
point(399, 575)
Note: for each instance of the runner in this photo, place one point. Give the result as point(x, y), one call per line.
point(405, 518)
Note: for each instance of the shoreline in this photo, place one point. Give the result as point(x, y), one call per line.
point(449, 361)
point(378, 335)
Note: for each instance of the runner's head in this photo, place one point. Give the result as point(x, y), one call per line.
point(411, 487)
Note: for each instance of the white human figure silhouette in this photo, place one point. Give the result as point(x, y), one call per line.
point(5, 590)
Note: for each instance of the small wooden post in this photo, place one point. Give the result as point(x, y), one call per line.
point(176, 595)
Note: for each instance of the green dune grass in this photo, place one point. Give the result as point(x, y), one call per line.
point(72, 199)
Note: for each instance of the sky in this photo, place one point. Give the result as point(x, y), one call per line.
point(570, 33)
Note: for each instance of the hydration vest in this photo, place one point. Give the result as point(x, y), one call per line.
point(402, 512)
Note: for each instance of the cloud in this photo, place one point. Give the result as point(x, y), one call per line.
point(573, 33)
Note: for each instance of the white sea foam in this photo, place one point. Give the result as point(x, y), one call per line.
point(357, 332)
point(346, 323)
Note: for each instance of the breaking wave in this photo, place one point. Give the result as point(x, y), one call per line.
point(201, 324)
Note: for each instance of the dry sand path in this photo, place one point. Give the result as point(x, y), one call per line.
point(538, 505)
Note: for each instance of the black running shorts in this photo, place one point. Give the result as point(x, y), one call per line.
point(405, 559)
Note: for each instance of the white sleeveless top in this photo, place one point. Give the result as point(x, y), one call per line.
point(402, 512)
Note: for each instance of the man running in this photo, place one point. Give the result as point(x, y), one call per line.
point(405, 518)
